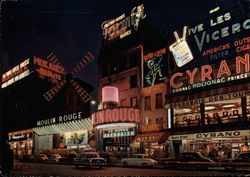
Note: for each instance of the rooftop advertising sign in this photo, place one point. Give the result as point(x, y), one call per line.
point(223, 36)
point(122, 25)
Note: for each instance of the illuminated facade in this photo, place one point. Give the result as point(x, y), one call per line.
point(22, 90)
point(121, 63)
point(208, 97)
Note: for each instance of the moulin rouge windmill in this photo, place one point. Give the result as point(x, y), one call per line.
point(69, 77)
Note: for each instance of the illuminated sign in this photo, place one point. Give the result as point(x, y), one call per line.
point(115, 116)
point(181, 50)
point(119, 132)
point(155, 66)
point(110, 94)
point(222, 36)
point(210, 99)
point(18, 72)
point(60, 119)
point(211, 135)
point(207, 75)
point(20, 137)
point(49, 69)
point(147, 138)
point(120, 27)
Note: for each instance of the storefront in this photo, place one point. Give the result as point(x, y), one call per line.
point(153, 144)
point(116, 128)
point(21, 143)
point(216, 145)
point(63, 134)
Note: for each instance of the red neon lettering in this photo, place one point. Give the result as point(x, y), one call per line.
point(172, 80)
point(244, 61)
point(115, 115)
point(206, 74)
point(191, 75)
point(224, 69)
point(137, 116)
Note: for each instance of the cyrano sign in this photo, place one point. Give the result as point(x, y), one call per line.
point(116, 115)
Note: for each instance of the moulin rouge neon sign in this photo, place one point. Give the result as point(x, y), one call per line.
point(208, 75)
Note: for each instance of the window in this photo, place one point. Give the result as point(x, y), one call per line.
point(133, 101)
point(159, 102)
point(149, 121)
point(133, 81)
point(148, 103)
point(159, 120)
point(123, 102)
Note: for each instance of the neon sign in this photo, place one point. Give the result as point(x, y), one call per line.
point(49, 69)
point(208, 75)
point(119, 27)
point(17, 70)
point(115, 116)
point(154, 68)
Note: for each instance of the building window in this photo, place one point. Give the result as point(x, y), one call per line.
point(159, 102)
point(123, 102)
point(159, 120)
point(133, 81)
point(149, 121)
point(133, 101)
point(148, 103)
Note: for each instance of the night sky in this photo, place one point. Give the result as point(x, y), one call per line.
point(72, 28)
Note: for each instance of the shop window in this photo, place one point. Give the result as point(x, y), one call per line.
point(159, 120)
point(148, 103)
point(159, 101)
point(225, 111)
point(133, 102)
point(149, 121)
point(146, 120)
point(133, 81)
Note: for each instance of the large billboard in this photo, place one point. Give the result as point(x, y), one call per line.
point(220, 48)
point(222, 36)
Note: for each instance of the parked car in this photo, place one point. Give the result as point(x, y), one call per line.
point(41, 158)
point(193, 160)
point(242, 161)
point(68, 158)
point(89, 159)
point(27, 158)
point(54, 157)
point(138, 160)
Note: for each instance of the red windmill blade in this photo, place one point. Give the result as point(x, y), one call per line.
point(53, 59)
point(82, 93)
point(87, 58)
point(51, 93)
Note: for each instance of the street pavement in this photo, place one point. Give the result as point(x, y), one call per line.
point(32, 169)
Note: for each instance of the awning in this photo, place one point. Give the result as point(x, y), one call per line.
point(71, 126)
point(158, 137)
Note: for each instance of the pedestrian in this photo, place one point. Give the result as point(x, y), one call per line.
point(8, 157)
point(208, 120)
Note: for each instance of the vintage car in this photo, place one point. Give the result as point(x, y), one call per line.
point(89, 159)
point(138, 160)
point(240, 162)
point(193, 160)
